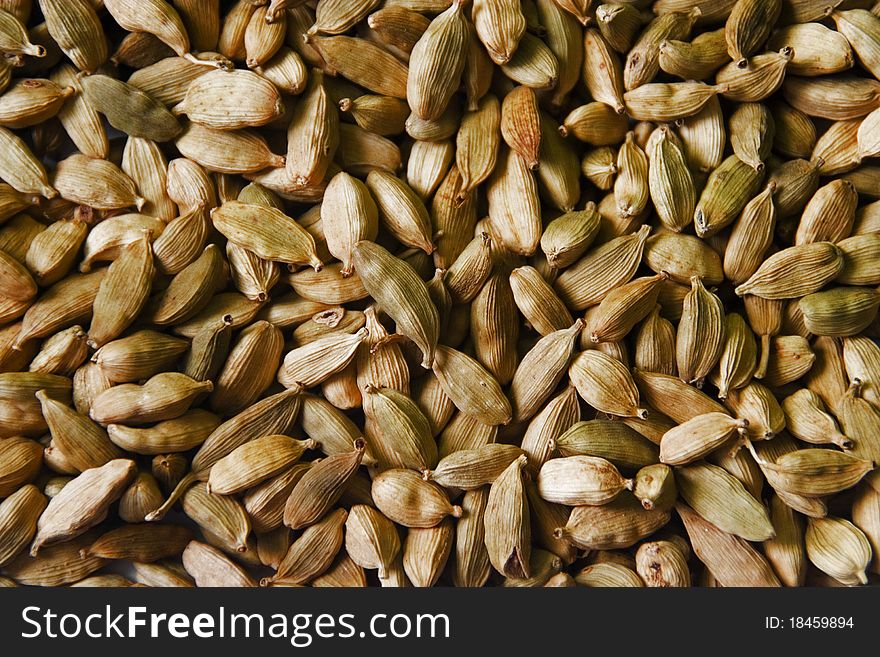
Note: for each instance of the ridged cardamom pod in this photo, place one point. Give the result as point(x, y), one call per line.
point(699, 436)
point(321, 487)
point(838, 548)
point(605, 384)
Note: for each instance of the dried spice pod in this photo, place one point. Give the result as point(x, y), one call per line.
point(860, 359)
point(224, 517)
point(404, 497)
point(602, 269)
point(398, 26)
point(426, 551)
point(756, 404)
point(699, 436)
point(655, 344)
point(437, 61)
point(364, 63)
point(249, 369)
point(145, 164)
point(21, 169)
point(15, 39)
point(400, 433)
point(738, 359)
point(142, 543)
point(514, 206)
point(381, 362)
point(704, 137)
point(795, 134)
point(790, 359)
point(807, 419)
point(751, 134)
point(670, 181)
point(312, 135)
point(267, 233)
point(616, 525)
point(580, 480)
point(255, 462)
point(619, 24)
point(864, 516)
point(613, 441)
point(722, 500)
point(224, 151)
point(231, 100)
point(265, 503)
point(859, 419)
point(209, 567)
point(82, 503)
point(859, 262)
point(631, 187)
point(829, 215)
point(552, 355)
point(119, 102)
point(701, 332)
point(750, 236)
point(533, 64)
point(371, 540)
point(30, 102)
point(19, 514)
point(464, 431)
point(321, 487)
point(471, 560)
point(208, 350)
point(605, 384)
point(604, 81)
point(860, 29)
point(471, 388)
point(312, 553)
point(814, 472)
point(599, 166)
point(654, 487)
point(190, 290)
point(474, 468)
point(816, 264)
point(697, 59)
point(85, 444)
point(56, 565)
point(178, 435)
point(786, 551)
point(595, 123)
point(662, 564)
point(670, 101)
point(566, 238)
point(140, 498)
point(401, 294)
point(506, 522)
point(96, 183)
point(673, 397)
point(642, 60)
point(623, 308)
point(828, 376)
point(557, 416)
point(838, 548)
point(123, 293)
point(839, 312)
point(726, 193)
point(163, 397)
point(731, 559)
point(748, 27)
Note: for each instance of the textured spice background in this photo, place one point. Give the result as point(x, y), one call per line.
point(432, 292)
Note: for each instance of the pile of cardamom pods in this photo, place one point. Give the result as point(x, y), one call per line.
point(439, 292)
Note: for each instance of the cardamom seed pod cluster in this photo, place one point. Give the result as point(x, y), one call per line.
point(439, 292)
